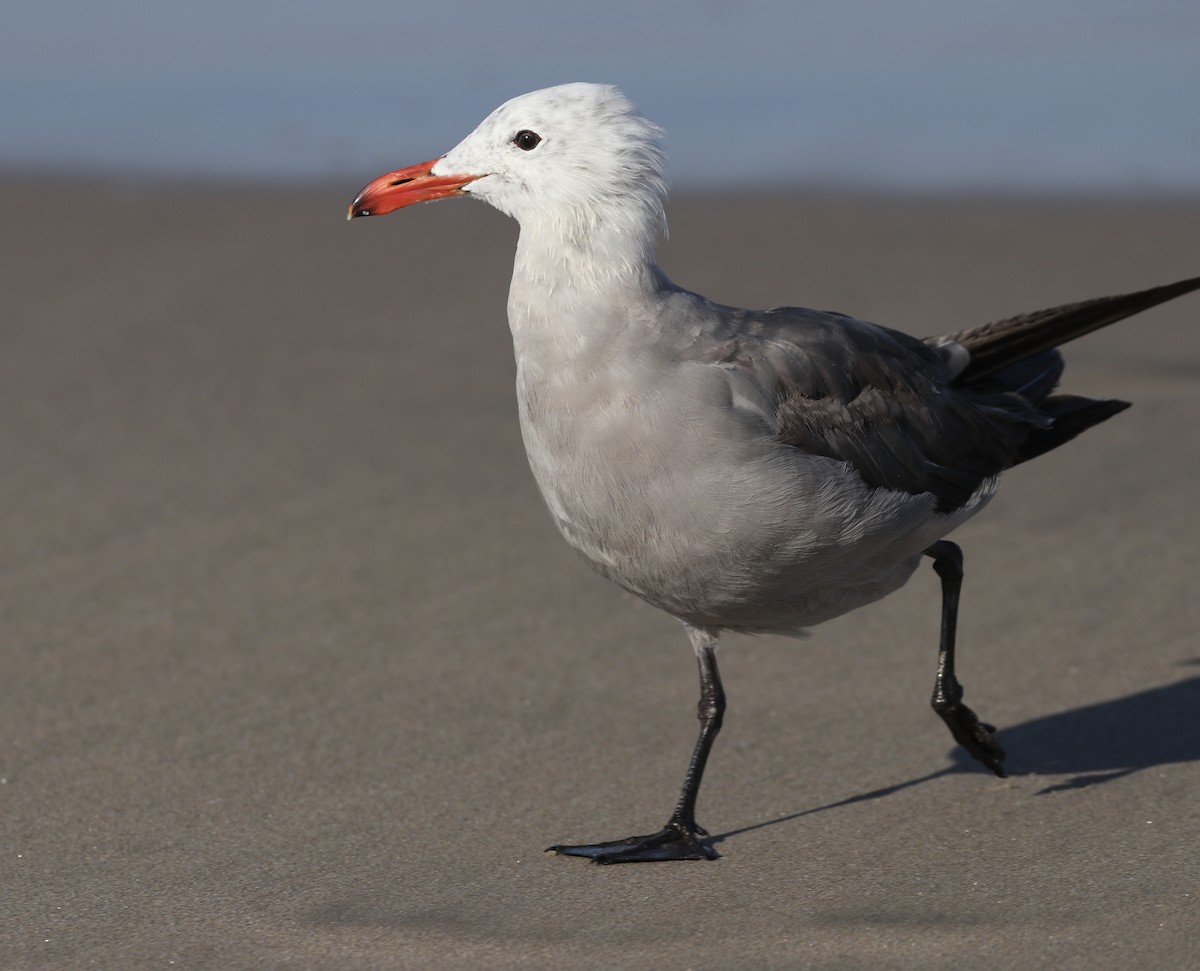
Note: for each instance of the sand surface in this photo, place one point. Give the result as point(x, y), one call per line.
point(297, 674)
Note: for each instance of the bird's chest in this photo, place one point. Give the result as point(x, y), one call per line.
point(591, 449)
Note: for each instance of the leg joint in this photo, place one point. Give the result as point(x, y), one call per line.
point(947, 559)
point(946, 695)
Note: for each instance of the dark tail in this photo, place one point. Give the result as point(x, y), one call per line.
point(1069, 415)
point(1018, 356)
point(1005, 342)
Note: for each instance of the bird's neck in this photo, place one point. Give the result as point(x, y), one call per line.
point(577, 281)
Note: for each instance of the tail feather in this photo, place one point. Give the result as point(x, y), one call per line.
point(1000, 344)
point(1018, 357)
point(1069, 415)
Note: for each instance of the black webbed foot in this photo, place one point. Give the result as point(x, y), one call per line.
point(673, 842)
point(975, 736)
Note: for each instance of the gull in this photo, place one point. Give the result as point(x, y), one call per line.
point(758, 471)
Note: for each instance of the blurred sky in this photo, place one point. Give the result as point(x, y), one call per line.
point(1040, 94)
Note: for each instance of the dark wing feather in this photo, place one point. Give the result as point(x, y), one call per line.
point(880, 400)
point(939, 416)
point(1005, 353)
point(997, 345)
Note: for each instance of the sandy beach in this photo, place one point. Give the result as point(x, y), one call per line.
point(297, 673)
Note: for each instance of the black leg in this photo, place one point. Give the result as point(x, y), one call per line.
point(681, 838)
point(972, 734)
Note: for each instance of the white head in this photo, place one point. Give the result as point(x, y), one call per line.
point(576, 157)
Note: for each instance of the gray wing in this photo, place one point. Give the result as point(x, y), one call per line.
point(939, 416)
point(884, 402)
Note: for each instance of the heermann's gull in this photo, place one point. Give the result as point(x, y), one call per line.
point(743, 470)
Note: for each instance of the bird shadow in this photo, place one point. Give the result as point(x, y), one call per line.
point(1090, 746)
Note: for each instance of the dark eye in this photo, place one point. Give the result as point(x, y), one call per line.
point(527, 140)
